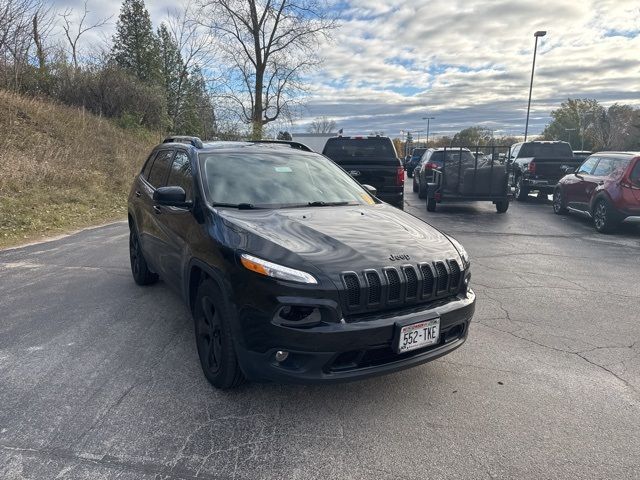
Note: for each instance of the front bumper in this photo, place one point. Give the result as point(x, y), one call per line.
point(350, 351)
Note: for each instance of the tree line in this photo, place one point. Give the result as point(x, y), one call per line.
point(213, 68)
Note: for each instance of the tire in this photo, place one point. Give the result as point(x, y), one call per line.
point(559, 205)
point(409, 174)
point(431, 204)
point(521, 192)
point(604, 217)
point(502, 206)
point(214, 339)
point(139, 268)
point(415, 185)
point(422, 191)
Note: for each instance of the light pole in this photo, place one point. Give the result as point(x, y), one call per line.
point(428, 119)
point(539, 33)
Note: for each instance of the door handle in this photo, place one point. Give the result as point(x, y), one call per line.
point(138, 194)
point(157, 209)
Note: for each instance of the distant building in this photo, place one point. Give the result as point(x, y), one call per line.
point(315, 141)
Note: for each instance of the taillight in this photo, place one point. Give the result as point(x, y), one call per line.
point(532, 167)
point(431, 165)
point(400, 176)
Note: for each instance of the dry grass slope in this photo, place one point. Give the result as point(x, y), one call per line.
point(61, 168)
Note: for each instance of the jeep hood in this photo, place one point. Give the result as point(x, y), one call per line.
point(335, 239)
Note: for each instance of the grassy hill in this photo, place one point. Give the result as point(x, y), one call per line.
point(62, 168)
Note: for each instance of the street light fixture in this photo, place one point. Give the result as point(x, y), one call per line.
point(428, 119)
point(539, 33)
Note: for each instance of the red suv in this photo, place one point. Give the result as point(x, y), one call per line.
point(606, 188)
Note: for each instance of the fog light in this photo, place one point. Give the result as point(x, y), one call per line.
point(281, 356)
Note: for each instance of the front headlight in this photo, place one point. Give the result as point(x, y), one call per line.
point(270, 269)
point(466, 260)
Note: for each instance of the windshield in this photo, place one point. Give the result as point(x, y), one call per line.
point(453, 156)
point(418, 152)
point(545, 150)
point(274, 180)
point(343, 149)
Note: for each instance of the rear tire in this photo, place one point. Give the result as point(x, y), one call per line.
point(522, 192)
point(214, 339)
point(559, 205)
point(604, 217)
point(422, 191)
point(502, 206)
point(409, 174)
point(139, 268)
point(431, 204)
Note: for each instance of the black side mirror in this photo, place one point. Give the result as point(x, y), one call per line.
point(372, 190)
point(171, 197)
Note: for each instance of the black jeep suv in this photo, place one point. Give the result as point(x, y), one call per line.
point(292, 270)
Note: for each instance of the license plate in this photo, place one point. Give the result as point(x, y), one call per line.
point(418, 335)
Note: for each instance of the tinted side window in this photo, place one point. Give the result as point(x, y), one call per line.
point(635, 174)
point(147, 166)
point(587, 166)
point(180, 174)
point(160, 169)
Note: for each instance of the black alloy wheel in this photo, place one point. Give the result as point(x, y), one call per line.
point(139, 268)
point(214, 339)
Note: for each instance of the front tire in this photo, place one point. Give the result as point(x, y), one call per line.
point(214, 339)
point(431, 204)
point(139, 268)
point(502, 206)
point(559, 205)
point(604, 217)
point(415, 185)
point(422, 191)
point(521, 192)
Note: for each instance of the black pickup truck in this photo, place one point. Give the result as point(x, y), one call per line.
point(371, 160)
point(538, 165)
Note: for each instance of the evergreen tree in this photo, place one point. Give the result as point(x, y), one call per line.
point(135, 47)
point(197, 115)
point(174, 74)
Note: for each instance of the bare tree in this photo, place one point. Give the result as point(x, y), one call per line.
point(268, 45)
point(43, 23)
point(74, 33)
point(322, 125)
point(16, 37)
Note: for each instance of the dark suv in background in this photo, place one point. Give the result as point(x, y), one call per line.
point(371, 160)
point(606, 187)
point(414, 160)
point(292, 270)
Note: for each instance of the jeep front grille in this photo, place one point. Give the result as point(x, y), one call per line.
point(392, 286)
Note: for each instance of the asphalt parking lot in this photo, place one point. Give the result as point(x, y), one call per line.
point(99, 378)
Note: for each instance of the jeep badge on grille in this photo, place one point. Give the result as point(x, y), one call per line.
point(395, 258)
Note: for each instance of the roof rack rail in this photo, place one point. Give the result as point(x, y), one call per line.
point(296, 145)
point(193, 141)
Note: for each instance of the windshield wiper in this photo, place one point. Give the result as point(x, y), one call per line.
point(320, 203)
point(239, 206)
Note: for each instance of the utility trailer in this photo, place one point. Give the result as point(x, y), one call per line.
point(471, 174)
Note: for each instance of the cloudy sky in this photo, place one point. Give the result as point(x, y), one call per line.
point(464, 62)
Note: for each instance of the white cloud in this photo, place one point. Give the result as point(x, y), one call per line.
point(464, 61)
